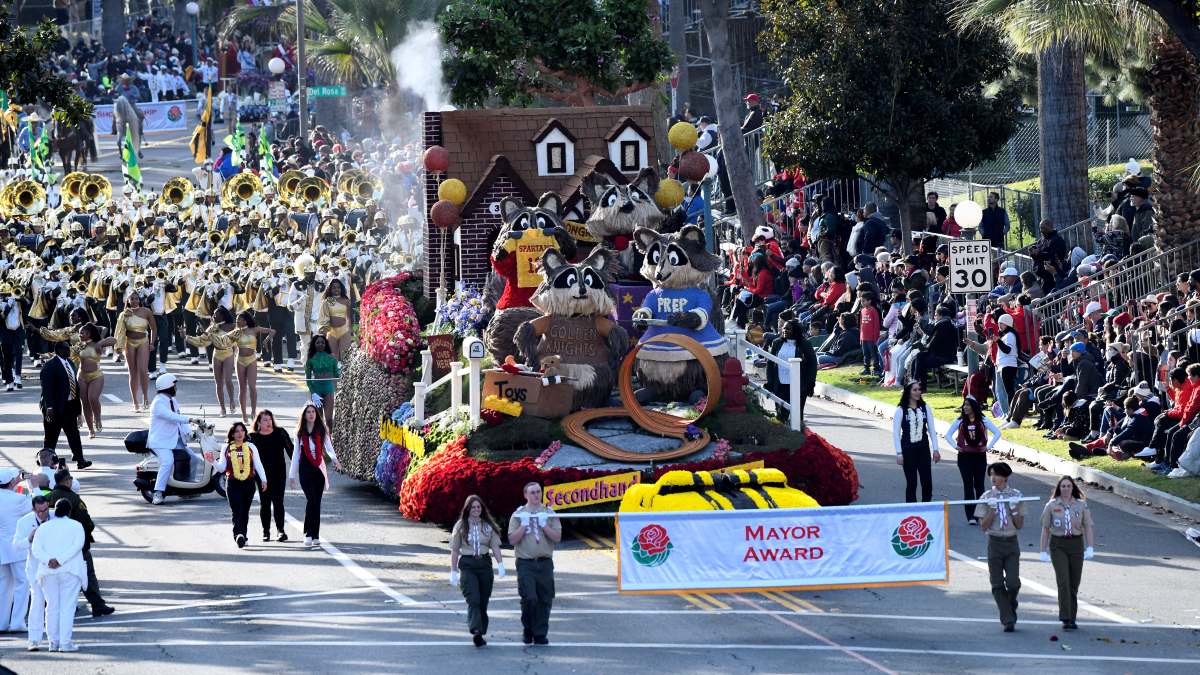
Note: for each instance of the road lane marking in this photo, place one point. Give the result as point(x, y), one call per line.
point(233, 601)
point(830, 644)
point(1046, 590)
point(720, 604)
point(997, 657)
point(785, 600)
point(111, 399)
point(355, 569)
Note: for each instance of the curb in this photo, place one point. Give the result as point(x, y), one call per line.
point(1119, 486)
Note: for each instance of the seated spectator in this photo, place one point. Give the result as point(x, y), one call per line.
point(1010, 283)
point(940, 348)
point(841, 344)
point(1115, 239)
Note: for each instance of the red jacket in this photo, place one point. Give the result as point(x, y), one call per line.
point(1189, 403)
point(832, 291)
point(868, 324)
point(1027, 330)
point(762, 285)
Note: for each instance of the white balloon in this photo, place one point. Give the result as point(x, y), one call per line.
point(712, 166)
point(968, 214)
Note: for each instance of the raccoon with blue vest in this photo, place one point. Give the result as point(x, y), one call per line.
point(683, 274)
point(576, 328)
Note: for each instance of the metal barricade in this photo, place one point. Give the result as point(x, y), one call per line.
point(1078, 235)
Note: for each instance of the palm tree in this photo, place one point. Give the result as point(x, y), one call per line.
point(349, 40)
point(1112, 30)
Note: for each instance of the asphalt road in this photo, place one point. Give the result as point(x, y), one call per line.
point(376, 599)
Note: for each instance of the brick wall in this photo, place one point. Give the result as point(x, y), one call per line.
point(434, 234)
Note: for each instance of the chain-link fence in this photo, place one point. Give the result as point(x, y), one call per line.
point(1115, 133)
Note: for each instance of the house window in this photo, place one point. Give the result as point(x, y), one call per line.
point(630, 156)
point(556, 158)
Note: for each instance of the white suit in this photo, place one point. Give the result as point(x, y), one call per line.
point(60, 539)
point(37, 600)
point(168, 430)
point(14, 585)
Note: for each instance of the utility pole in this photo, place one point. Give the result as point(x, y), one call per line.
point(301, 71)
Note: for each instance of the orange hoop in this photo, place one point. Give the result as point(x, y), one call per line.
point(650, 420)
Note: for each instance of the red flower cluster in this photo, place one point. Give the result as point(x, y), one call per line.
point(653, 539)
point(435, 492)
point(389, 330)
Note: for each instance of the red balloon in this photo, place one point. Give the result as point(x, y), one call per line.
point(693, 166)
point(437, 159)
point(444, 214)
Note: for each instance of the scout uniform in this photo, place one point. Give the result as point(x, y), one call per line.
point(474, 542)
point(1003, 550)
point(535, 568)
point(1067, 525)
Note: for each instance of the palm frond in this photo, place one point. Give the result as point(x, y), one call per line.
point(1111, 27)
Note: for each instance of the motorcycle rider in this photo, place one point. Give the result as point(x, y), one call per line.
point(168, 430)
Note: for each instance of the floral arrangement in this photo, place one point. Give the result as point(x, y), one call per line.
point(502, 405)
point(491, 417)
point(394, 460)
point(435, 490)
point(721, 452)
point(462, 313)
point(389, 331)
point(366, 394)
point(541, 460)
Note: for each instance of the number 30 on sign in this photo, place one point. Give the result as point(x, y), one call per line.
point(970, 266)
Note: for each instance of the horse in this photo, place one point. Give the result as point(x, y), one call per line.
point(127, 119)
point(75, 144)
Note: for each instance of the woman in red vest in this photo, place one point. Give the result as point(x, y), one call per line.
point(308, 466)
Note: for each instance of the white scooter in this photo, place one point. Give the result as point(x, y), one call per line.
point(201, 478)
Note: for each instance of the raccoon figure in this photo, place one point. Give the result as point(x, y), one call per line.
point(576, 328)
point(682, 272)
point(618, 210)
point(527, 233)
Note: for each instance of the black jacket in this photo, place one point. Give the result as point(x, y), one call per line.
point(56, 386)
point(944, 341)
point(273, 450)
point(79, 512)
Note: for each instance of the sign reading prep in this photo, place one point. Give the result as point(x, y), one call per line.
point(970, 266)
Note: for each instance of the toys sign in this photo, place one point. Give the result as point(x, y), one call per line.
point(970, 266)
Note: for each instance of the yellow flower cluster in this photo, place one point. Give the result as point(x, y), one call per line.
point(502, 405)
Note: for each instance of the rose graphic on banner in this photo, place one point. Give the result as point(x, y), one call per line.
point(912, 538)
point(652, 546)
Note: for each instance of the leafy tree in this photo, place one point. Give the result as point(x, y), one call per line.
point(25, 73)
point(569, 51)
point(886, 88)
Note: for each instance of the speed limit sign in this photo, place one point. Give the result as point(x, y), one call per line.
point(970, 266)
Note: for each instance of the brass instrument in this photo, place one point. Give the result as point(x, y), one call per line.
point(95, 191)
point(287, 185)
point(368, 188)
point(160, 274)
point(312, 191)
point(243, 191)
point(22, 199)
point(180, 193)
point(215, 238)
point(71, 186)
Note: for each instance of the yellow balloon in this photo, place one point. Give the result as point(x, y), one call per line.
point(670, 193)
point(453, 190)
point(682, 136)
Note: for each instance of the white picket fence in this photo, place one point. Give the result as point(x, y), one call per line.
point(746, 352)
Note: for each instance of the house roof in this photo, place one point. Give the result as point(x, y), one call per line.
point(551, 125)
point(623, 124)
point(499, 166)
point(475, 137)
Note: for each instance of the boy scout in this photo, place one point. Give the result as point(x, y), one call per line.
point(1000, 517)
point(533, 531)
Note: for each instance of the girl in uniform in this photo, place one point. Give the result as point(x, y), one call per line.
point(134, 335)
point(224, 349)
point(246, 337)
point(914, 437)
point(1067, 538)
point(308, 466)
point(91, 378)
point(322, 369)
point(969, 433)
point(473, 542)
point(333, 317)
point(240, 462)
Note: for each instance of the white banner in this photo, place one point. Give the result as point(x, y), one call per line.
point(167, 116)
point(835, 547)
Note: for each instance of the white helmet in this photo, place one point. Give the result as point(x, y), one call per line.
point(165, 381)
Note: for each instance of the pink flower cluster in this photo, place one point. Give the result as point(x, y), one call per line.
point(721, 452)
point(389, 331)
point(547, 454)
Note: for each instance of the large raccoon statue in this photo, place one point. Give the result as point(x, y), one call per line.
point(528, 232)
point(618, 210)
point(682, 272)
point(576, 326)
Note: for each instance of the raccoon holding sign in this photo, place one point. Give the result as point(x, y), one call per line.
point(576, 329)
point(617, 210)
point(528, 232)
point(682, 272)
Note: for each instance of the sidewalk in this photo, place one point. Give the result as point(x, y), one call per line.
point(881, 402)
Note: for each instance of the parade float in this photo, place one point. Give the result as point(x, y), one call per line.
point(576, 342)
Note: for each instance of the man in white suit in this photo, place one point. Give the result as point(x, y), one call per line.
point(168, 430)
point(22, 539)
point(14, 585)
point(62, 572)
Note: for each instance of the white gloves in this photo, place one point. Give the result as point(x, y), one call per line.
point(500, 569)
point(1089, 553)
point(1044, 556)
point(453, 577)
point(316, 399)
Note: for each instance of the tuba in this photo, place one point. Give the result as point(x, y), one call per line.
point(311, 191)
point(243, 191)
point(95, 191)
point(369, 187)
point(24, 199)
point(178, 192)
point(71, 186)
point(287, 185)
